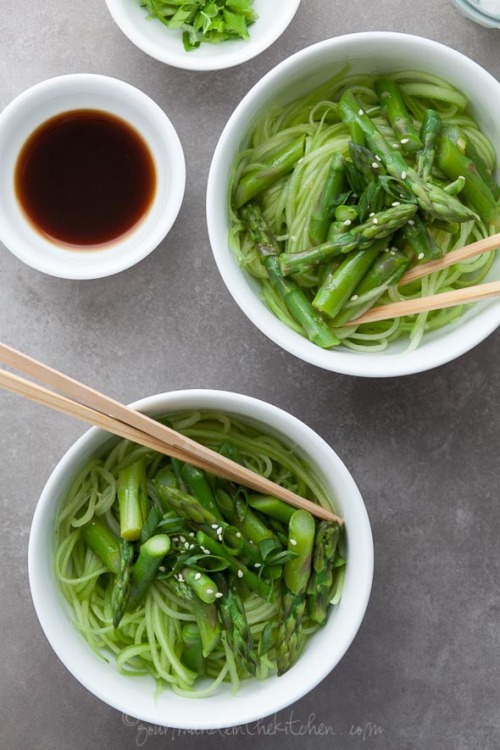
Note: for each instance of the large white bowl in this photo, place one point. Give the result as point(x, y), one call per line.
point(370, 52)
point(255, 699)
point(164, 44)
point(89, 91)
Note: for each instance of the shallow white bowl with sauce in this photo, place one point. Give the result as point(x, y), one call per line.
point(366, 52)
point(135, 696)
point(70, 94)
point(164, 44)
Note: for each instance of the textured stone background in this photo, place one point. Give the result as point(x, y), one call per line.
point(423, 671)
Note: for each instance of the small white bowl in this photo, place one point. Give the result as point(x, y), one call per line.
point(87, 91)
point(367, 52)
point(255, 699)
point(164, 44)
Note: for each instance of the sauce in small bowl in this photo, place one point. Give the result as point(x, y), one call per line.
point(84, 178)
point(89, 163)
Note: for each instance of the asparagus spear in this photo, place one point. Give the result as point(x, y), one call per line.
point(294, 298)
point(385, 272)
point(394, 109)
point(429, 132)
point(121, 587)
point(206, 616)
point(322, 216)
point(431, 198)
point(146, 567)
point(340, 285)
point(132, 498)
point(320, 583)
point(300, 540)
point(197, 482)
point(272, 507)
point(421, 241)
point(296, 575)
point(201, 584)
point(378, 226)
point(466, 146)
point(234, 620)
point(192, 649)
point(365, 161)
point(276, 164)
point(103, 542)
point(455, 164)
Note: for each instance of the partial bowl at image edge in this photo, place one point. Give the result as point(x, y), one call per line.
point(367, 52)
point(255, 699)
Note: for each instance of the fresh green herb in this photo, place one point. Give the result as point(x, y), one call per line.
point(212, 21)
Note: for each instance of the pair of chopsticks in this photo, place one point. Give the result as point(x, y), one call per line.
point(444, 299)
point(82, 402)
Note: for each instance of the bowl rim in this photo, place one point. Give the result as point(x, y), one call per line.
point(220, 57)
point(362, 364)
point(291, 689)
point(115, 257)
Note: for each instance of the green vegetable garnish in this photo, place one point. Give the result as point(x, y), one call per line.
point(212, 21)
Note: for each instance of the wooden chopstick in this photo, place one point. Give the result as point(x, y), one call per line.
point(84, 403)
point(424, 304)
point(454, 256)
point(444, 299)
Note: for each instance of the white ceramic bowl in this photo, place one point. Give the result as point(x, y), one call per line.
point(164, 44)
point(255, 699)
point(370, 52)
point(87, 91)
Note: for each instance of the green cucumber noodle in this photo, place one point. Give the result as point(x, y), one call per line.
point(289, 203)
point(148, 640)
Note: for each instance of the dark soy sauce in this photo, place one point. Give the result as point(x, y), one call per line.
point(84, 178)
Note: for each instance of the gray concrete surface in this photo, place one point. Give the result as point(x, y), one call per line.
point(423, 672)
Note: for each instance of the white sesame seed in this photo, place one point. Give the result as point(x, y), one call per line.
point(182, 538)
point(395, 145)
point(378, 158)
point(411, 222)
point(205, 550)
point(420, 256)
point(395, 203)
point(191, 533)
point(175, 538)
point(354, 297)
point(218, 595)
point(403, 175)
point(186, 545)
point(257, 565)
point(375, 165)
point(180, 578)
point(372, 214)
point(219, 530)
point(404, 140)
point(392, 252)
point(240, 574)
point(162, 568)
point(293, 542)
point(238, 534)
point(197, 576)
point(191, 546)
point(209, 591)
point(375, 220)
point(361, 112)
point(214, 526)
point(347, 223)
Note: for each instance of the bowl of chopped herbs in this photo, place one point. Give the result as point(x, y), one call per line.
point(202, 34)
